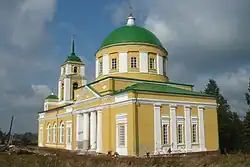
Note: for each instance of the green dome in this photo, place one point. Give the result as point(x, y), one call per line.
point(133, 33)
point(73, 57)
point(52, 96)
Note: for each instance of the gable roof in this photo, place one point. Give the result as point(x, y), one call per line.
point(160, 88)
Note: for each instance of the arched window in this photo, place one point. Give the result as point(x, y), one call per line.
point(62, 132)
point(49, 133)
point(75, 86)
point(75, 69)
point(54, 133)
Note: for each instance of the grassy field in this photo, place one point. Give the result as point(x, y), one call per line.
point(67, 159)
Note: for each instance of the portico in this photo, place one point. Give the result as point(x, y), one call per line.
point(89, 130)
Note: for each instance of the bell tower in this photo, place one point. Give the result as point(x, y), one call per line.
point(71, 77)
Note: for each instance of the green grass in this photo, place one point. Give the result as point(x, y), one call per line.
point(71, 160)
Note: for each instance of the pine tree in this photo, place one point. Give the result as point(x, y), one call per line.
point(247, 122)
point(228, 122)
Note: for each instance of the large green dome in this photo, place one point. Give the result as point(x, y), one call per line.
point(127, 34)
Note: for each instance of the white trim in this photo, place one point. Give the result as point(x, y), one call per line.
point(165, 120)
point(92, 91)
point(121, 97)
point(62, 133)
point(121, 119)
point(40, 135)
point(173, 128)
point(201, 128)
point(69, 141)
point(157, 128)
point(123, 62)
point(96, 68)
point(159, 60)
point(99, 131)
point(143, 62)
point(188, 138)
point(86, 130)
point(93, 130)
point(105, 61)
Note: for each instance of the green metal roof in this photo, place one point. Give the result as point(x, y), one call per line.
point(160, 88)
point(73, 57)
point(134, 33)
point(52, 97)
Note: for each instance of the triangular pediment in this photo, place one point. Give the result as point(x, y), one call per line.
point(87, 93)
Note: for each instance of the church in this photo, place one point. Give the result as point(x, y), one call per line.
point(131, 108)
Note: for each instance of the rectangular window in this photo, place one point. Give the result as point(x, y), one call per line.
point(133, 62)
point(180, 134)
point(62, 134)
point(121, 135)
point(114, 64)
point(151, 63)
point(194, 133)
point(69, 135)
point(100, 67)
point(165, 134)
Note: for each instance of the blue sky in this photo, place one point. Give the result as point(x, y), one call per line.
point(208, 39)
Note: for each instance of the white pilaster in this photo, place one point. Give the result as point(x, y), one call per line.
point(173, 127)
point(105, 64)
point(82, 70)
point(68, 69)
point(93, 130)
point(157, 127)
point(123, 62)
point(159, 64)
point(59, 90)
point(99, 131)
point(143, 62)
point(79, 127)
point(96, 68)
point(187, 113)
point(201, 128)
point(86, 130)
point(67, 87)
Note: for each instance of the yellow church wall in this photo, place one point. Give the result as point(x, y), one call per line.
point(127, 48)
point(180, 111)
point(165, 110)
point(103, 86)
point(121, 84)
point(145, 128)
point(211, 129)
point(194, 112)
point(106, 143)
point(87, 105)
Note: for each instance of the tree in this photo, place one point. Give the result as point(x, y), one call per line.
point(228, 122)
point(247, 122)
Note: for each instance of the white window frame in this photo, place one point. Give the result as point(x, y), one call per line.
point(121, 137)
point(165, 122)
point(133, 62)
point(62, 127)
point(54, 133)
point(180, 121)
point(114, 63)
point(121, 119)
point(48, 133)
point(151, 63)
point(195, 122)
point(100, 67)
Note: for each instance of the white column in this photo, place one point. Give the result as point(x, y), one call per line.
point(173, 127)
point(68, 69)
point(187, 113)
point(83, 70)
point(157, 127)
point(123, 62)
point(105, 62)
point(96, 68)
point(59, 90)
point(99, 131)
point(93, 130)
point(67, 87)
point(159, 64)
point(143, 62)
point(201, 128)
point(86, 131)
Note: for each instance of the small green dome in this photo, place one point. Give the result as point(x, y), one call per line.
point(73, 57)
point(133, 33)
point(52, 96)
